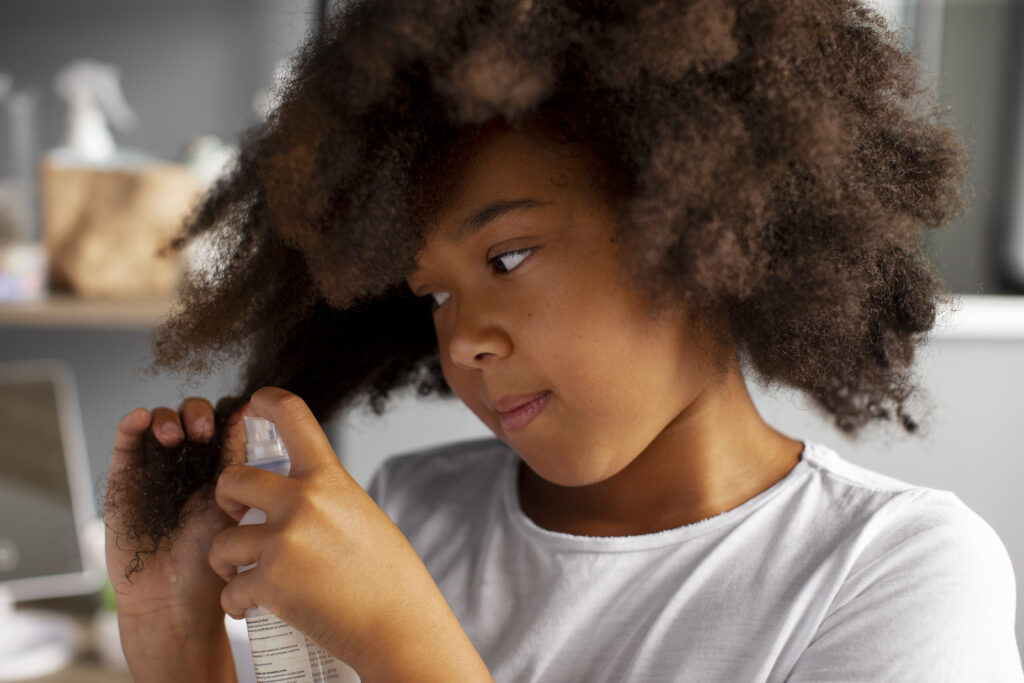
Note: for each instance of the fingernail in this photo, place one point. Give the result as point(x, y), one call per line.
point(171, 430)
point(203, 429)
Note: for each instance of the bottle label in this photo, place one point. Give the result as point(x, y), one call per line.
point(281, 654)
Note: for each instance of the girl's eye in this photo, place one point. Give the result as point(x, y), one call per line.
point(502, 263)
point(507, 262)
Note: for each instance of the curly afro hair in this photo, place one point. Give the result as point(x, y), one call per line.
point(774, 164)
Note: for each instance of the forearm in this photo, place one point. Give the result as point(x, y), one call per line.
point(429, 646)
point(174, 652)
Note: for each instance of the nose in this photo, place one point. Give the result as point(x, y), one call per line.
point(477, 337)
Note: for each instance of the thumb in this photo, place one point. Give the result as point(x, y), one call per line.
point(305, 440)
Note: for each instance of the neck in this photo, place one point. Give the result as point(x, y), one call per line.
point(714, 456)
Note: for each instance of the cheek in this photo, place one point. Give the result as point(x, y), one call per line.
point(628, 371)
point(597, 340)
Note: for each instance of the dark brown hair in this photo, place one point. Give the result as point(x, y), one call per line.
point(775, 163)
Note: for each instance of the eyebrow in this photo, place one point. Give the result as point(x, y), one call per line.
point(488, 214)
point(493, 212)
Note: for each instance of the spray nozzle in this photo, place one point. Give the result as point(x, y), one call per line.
point(93, 92)
point(264, 441)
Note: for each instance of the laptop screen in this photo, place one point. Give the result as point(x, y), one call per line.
point(45, 489)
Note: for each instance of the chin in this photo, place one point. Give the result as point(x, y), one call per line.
point(580, 471)
point(561, 461)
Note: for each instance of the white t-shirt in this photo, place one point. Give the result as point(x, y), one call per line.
point(835, 573)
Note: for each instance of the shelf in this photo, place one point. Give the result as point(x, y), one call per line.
point(988, 317)
point(69, 311)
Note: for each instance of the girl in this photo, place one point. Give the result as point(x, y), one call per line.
point(588, 221)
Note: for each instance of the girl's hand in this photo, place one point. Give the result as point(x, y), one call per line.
point(171, 624)
point(331, 563)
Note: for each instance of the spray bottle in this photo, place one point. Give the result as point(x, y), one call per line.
point(92, 91)
point(23, 259)
point(279, 651)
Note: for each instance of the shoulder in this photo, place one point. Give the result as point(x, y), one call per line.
point(889, 522)
point(441, 465)
point(892, 516)
point(440, 477)
point(928, 589)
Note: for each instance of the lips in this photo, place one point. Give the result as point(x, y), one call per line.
point(517, 411)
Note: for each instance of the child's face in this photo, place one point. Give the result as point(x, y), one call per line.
point(533, 308)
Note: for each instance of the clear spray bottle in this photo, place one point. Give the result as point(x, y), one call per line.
point(93, 94)
point(279, 651)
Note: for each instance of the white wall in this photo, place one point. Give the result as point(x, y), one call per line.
point(972, 368)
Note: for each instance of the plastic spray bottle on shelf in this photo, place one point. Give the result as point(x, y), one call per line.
point(92, 91)
point(279, 651)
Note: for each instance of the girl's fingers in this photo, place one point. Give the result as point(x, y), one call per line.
point(126, 445)
point(129, 436)
point(238, 595)
point(167, 426)
point(197, 415)
point(235, 547)
point(241, 487)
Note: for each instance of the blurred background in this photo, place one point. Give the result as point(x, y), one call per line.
point(115, 114)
